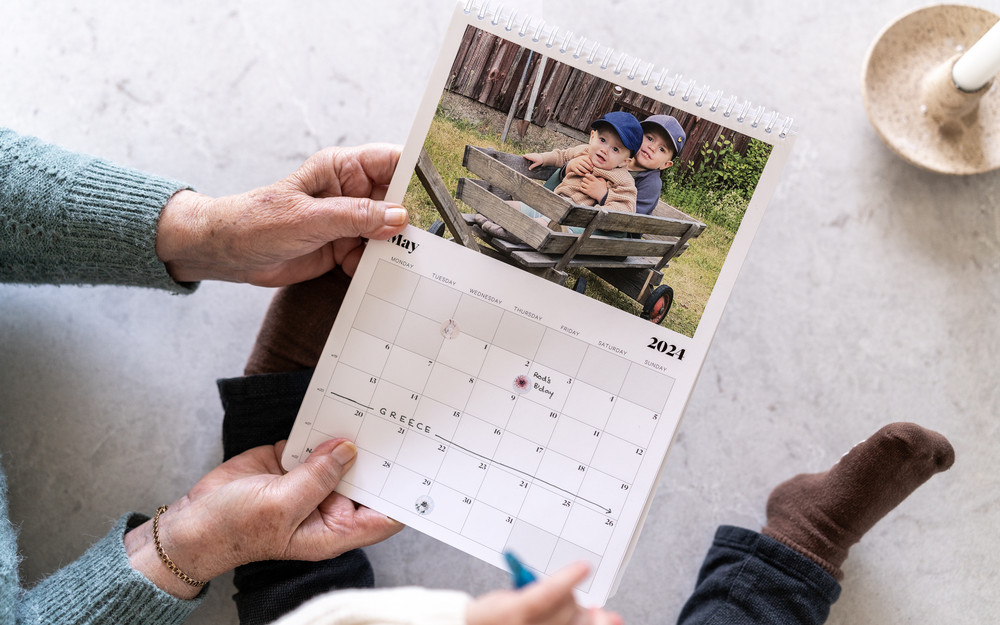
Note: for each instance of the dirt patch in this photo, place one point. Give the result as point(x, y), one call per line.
point(491, 121)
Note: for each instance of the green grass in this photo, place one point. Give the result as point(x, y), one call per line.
point(445, 144)
point(691, 275)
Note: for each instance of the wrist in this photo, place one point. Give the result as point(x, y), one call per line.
point(181, 241)
point(191, 562)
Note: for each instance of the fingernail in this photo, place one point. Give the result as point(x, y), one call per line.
point(394, 216)
point(344, 452)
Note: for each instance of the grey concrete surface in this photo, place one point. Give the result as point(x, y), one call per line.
point(871, 293)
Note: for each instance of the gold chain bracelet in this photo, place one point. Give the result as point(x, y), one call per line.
point(166, 559)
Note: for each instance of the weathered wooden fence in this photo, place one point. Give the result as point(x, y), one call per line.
point(489, 70)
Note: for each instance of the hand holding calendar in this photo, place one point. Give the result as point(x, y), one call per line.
point(248, 509)
point(293, 230)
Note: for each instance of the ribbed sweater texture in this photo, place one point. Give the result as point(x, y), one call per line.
point(69, 218)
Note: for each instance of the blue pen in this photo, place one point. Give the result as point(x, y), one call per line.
point(522, 576)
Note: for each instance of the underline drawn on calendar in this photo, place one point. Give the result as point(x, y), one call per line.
point(351, 400)
point(604, 509)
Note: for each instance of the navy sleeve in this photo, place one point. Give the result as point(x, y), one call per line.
point(648, 186)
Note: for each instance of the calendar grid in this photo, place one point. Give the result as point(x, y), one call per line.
point(494, 427)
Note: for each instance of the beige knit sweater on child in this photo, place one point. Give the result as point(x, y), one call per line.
point(621, 187)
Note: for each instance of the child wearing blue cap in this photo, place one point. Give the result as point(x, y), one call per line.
point(614, 139)
point(604, 180)
point(663, 137)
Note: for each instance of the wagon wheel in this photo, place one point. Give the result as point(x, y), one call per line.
point(658, 304)
point(437, 228)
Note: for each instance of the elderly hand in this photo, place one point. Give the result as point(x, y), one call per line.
point(546, 602)
point(248, 509)
point(293, 230)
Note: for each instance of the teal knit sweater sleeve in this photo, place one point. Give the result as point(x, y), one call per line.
point(69, 218)
point(99, 588)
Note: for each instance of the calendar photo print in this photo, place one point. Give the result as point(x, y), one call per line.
point(584, 180)
point(501, 396)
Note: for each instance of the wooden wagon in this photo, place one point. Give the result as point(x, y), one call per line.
point(633, 264)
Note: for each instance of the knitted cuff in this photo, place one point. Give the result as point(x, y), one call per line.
point(102, 587)
point(69, 218)
point(116, 211)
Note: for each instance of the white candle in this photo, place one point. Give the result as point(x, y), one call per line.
point(980, 64)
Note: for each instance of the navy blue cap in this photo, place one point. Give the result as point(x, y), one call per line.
point(627, 127)
point(671, 126)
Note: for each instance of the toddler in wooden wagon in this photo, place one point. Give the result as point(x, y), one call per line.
point(596, 171)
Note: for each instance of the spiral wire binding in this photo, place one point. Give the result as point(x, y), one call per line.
point(701, 96)
point(687, 92)
point(524, 27)
point(635, 66)
point(673, 87)
point(552, 38)
point(593, 53)
point(510, 21)
point(730, 104)
point(645, 77)
point(565, 41)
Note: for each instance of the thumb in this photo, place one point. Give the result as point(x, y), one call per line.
point(347, 217)
point(312, 481)
point(555, 594)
